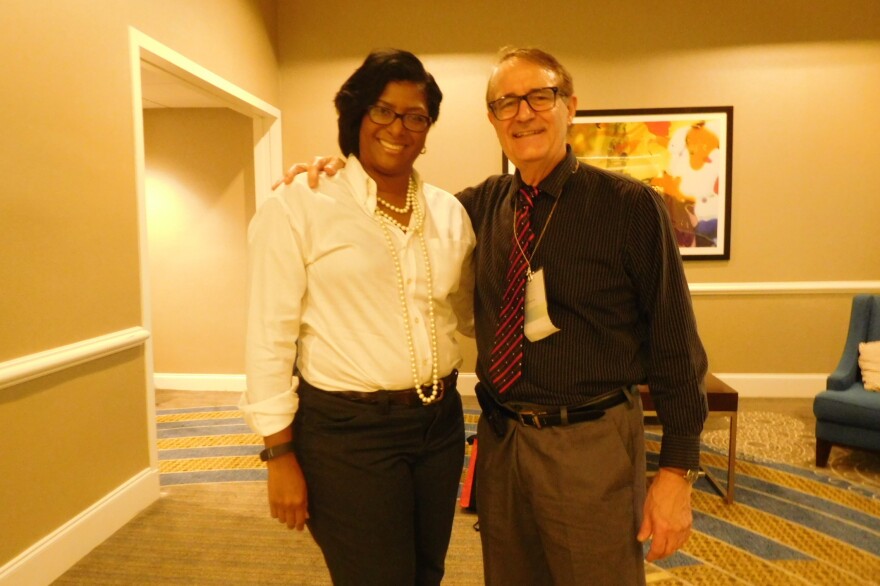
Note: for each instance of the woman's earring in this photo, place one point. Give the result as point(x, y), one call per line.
point(424, 150)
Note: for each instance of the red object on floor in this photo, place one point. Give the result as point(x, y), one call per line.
point(469, 488)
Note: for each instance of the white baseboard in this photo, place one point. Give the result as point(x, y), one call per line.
point(46, 560)
point(767, 385)
point(170, 381)
point(466, 383)
point(236, 382)
point(783, 386)
point(757, 385)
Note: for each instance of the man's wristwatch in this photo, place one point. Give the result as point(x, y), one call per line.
point(690, 475)
point(275, 451)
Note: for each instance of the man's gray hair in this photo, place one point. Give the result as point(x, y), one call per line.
point(538, 57)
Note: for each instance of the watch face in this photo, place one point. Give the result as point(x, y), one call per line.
point(692, 476)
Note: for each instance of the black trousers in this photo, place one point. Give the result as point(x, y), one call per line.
point(382, 483)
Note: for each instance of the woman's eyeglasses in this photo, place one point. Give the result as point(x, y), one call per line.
point(385, 116)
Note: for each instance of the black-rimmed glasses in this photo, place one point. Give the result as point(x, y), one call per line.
point(539, 100)
point(385, 116)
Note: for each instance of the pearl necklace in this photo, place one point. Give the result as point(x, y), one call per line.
point(384, 220)
point(390, 220)
point(410, 197)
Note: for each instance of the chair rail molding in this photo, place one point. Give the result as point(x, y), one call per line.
point(785, 288)
point(25, 368)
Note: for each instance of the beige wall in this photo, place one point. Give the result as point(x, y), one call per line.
point(200, 197)
point(69, 259)
point(804, 84)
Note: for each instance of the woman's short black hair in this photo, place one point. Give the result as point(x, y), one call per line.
point(366, 84)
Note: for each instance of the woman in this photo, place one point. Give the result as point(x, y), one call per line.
point(355, 289)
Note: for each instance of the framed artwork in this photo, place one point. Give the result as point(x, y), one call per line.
point(683, 153)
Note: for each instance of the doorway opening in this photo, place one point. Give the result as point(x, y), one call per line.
point(163, 77)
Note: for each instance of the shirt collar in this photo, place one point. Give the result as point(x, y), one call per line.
point(553, 183)
point(364, 187)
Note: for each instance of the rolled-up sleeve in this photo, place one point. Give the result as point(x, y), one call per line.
point(277, 284)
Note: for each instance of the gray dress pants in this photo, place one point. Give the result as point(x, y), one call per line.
point(562, 505)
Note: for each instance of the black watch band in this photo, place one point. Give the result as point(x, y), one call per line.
point(275, 451)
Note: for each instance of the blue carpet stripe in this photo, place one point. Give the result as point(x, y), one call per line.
point(746, 540)
point(676, 560)
point(848, 525)
point(808, 501)
point(199, 423)
point(202, 430)
point(794, 512)
point(205, 476)
point(807, 473)
point(813, 476)
point(209, 452)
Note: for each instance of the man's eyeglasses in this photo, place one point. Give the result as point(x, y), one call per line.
point(385, 116)
point(539, 100)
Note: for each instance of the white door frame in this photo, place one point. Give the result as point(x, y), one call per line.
point(267, 164)
point(58, 551)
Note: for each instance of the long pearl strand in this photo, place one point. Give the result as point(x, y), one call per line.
point(410, 197)
point(391, 220)
point(384, 219)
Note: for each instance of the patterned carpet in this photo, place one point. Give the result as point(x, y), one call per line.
point(790, 524)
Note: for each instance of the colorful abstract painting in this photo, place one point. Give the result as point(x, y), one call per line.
point(683, 153)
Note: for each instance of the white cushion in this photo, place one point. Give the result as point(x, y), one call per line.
point(869, 362)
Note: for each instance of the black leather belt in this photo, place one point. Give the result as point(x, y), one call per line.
point(539, 417)
point(406, 397)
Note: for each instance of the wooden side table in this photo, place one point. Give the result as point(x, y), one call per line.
point(723, 401)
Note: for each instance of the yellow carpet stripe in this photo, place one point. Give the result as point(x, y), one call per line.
point(817, 487)
point(816, 572)
point(238, 439)
point(726, 564)
point(657, 576)
point(793, 535)
point(199, 416)
point(812, 543)
point(211, 464)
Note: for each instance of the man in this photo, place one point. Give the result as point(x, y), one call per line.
point(561, 459)
point(580, 296)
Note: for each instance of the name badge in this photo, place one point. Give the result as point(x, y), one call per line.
point(537, 324)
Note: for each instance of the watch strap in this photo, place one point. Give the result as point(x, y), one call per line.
point(275, 451)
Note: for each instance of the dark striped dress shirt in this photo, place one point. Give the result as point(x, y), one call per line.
point(615, 288)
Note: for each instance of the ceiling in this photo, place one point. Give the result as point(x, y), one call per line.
point(161, 89)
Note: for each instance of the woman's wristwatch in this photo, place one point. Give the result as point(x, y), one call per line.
point(275, 451)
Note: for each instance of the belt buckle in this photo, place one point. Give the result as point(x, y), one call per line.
point(441, 390)
point(533, 416)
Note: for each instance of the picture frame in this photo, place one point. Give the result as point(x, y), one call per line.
point(684, 154)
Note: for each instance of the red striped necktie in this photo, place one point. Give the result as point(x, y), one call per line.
point(505, 360)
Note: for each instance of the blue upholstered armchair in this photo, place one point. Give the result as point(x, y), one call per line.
point(847, 414)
